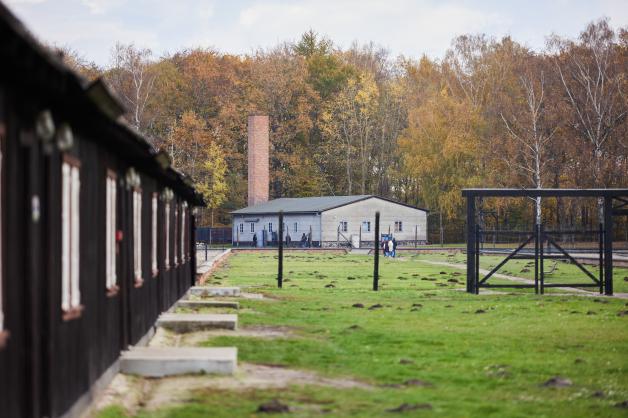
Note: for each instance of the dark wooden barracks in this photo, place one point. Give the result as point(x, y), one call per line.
point(96, 232)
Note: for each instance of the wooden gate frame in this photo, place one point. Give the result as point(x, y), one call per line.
point(605, 279)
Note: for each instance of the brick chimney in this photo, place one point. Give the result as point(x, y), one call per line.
point(258, 159)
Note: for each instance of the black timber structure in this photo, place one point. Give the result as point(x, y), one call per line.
point(615, 203)
point(51, 363)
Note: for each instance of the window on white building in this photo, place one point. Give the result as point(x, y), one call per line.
point(252, 227)
point(270, 227)
point(153, 243)
point(398, 226)
point(344, 226)
point(110, 233)
point(137, 236)
point(70, 233)
point(241, 227)
point(167, 235)
point(366, 226)
point(296, 227)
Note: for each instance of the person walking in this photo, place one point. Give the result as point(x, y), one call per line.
point(391, 252)
point(255, 240)
point(394, 247)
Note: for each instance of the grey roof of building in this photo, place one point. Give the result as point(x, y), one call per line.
point(308, 204)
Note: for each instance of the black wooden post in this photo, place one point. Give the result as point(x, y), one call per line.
point(608, 246)
point(536, 258)
point(280, 264)
point(376, 254)
point(416, 235)
point(541, 256)
point(476, 284)
point(601, 256)
point(471, 244)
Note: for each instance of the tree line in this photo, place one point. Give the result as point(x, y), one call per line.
point(490, 113)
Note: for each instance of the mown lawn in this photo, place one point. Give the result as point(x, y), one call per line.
point(475, 356)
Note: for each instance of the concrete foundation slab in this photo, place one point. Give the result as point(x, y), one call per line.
point(195, 304)
point(203, 291)
point(197, 322)
point(170, 361)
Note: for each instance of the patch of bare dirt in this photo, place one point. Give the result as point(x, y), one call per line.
point(135, 393)
point(249, 376)
point(165, 338)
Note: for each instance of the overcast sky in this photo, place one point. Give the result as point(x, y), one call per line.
point(407, 27)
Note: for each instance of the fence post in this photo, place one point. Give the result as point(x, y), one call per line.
point(360, 238)
point(376, 254)
point(541, 257)
point(280, 263)
point(608, 246)
point(471, 244)
point(601, 257)
point(536, 258)
point(416, 235)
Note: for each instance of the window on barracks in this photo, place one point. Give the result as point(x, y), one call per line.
point(344, 226)
point(110, 233)
point(176, 234)
point(242, 227)
point(398, 226)
point(1, 231)
point(153, 243)
point(366, 226)
point(137, 235)
point(167, 235)
point(270, 227)
point(70, 217)
point(184, 253)
point(252, 227)
point(296, 227)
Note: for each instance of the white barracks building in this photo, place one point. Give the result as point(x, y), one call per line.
point(327, 221)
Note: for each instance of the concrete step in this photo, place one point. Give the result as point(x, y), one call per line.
point(196, 322)
point(204, 291)
point(195, 304)
point(170, 361)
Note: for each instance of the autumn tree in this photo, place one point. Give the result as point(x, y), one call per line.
point(593, 78)
point(131, 77)
point(530, 125)
point(212, 179)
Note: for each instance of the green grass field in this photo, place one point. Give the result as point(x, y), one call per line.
point(419, 341)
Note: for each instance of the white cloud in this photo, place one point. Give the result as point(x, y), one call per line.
point(409, 27)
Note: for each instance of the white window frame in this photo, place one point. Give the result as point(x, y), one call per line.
point(177, 258)
point(398, 226)
point(153, 243)
point(366, 226)
point(70, 236)
point(111, 229)
point(344, 226)
point(241, 228)
point(270, 227)
point(296, 227)
point(137, 236)
point(183, 250)
point(252, 227)
point(1, 237)
point(167, 235)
